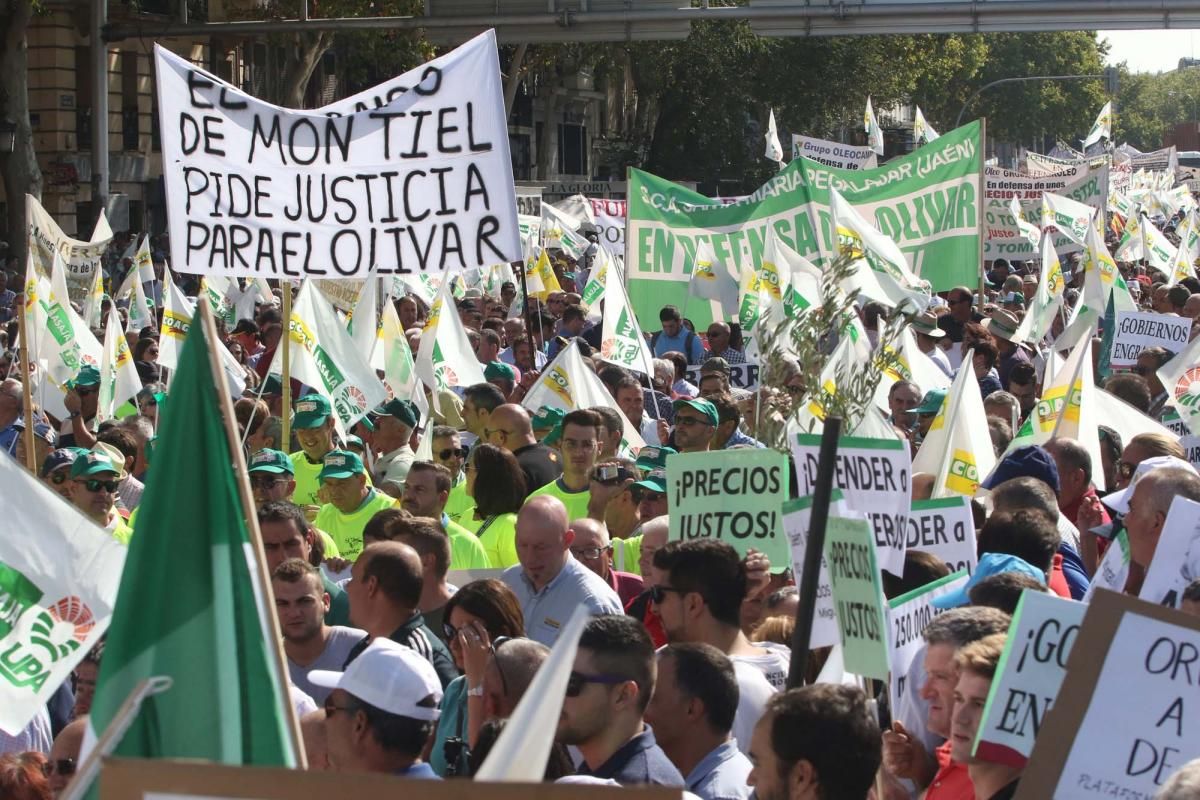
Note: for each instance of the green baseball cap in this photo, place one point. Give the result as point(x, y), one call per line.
point(311, 411)
point(404, 410)
point(932, 403)
point(87, 376)
point(547, 417)
point(93, 462)
point(272, 385)
point(341, 464)
point(554, 435)
point(656, 481)
point(703, 406)
point(499, 370)
point(354, 441)
point(275, 462)
point(651, 457)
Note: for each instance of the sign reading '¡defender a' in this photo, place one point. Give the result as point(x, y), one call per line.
point(733, 496)
point(416, 179)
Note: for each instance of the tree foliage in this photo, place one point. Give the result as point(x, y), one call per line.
point(1148, 105)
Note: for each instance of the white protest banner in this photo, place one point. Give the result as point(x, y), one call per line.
point(873, 474)
point(834, 154)
point(82, 258)
point(609, 216)
point(945, 528)
point(1176, 561)
point(421, 182)
point(907, 616)
point(1004, 238)
point(858, 596)
point(59, 573)
point(1039, 165)
point(732, 496)
point(797, 514)
point(1138, 330)
point(1028, 676)
point(1102, 740)
point(1164, 160)
point(741, 376)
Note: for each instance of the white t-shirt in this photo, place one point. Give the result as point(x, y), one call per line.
point(773, 664)
point(753, 693)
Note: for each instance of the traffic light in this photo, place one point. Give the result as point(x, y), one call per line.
point(1112, 78)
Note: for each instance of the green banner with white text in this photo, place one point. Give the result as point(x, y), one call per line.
point(927, 201)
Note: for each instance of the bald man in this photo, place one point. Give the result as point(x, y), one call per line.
point(510, 427)
point(549, 582)
point(593, 549)
point(65, 751)
point(385, 596)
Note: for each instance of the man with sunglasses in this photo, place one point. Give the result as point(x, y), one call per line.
point(81, 401)
point(448, 451)
point(64, 755)
point(650, 494)
point(695, 422)
point(594, 550)
point(56, 469)
point(607, 693)
point(611, 501)
point(381, 711)
point(425, 495)
point(961, 312)
point(95, 481)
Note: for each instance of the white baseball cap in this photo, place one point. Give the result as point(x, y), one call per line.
point(1119, 500)
point(391, 677)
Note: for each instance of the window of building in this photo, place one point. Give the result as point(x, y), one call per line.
point(130, 119)
point(83, 98)
point(572, 150)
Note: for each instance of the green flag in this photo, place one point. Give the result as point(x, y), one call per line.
point(186, 607)
point(1110, 329)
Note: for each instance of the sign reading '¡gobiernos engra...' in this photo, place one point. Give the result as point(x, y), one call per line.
point(413, 177)
point(927, 201)
point(732, 496)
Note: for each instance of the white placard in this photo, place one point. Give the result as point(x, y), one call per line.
point(834, 154)
point(1139, 330)
point(1176, 561)
point(907, 617)
point(945, 528)
point(610, 219)
point(419, 180)
point(796, 516)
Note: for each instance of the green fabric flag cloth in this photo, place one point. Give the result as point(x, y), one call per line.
point(186, 606)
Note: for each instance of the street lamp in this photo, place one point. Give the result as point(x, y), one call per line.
point(8, 136)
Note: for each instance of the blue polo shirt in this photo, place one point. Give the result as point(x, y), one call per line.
point(721, 775)
point(638, 761)
point(547, 611)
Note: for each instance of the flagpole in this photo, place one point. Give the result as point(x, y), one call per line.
point(979, 195)
point(26, 390)
point(262, 589)
point(285, 409)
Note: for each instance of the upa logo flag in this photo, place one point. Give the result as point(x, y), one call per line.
point(445, 358)
point(59, 573)
point(1102, 127)
point(1181, 378)
point(1068, 216)
point(622, 342)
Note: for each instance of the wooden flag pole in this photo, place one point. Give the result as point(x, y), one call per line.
point(979, 206)
point(258, 574)
point(26, 377)
point(285, 411)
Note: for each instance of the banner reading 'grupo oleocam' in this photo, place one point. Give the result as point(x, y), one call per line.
point(927, 201)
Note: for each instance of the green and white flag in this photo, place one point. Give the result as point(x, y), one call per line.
point(205, 627)
point(603, 267)
point(93, 303)
point(1160, 253)
point(446, 359)
point(217, 289)
point(57, 329)
point(1029, 232)
point(422, 286)
point(872, 129)
point(365, 326)
point(786, 281)
point(621, 339)
point(177, 315)
point(118, 377)
point(59, 573)
point(324, 357)
point(141, 308)
point(1132, 246)
point(1181, 378)
point(957, 451)
point(399, 370)
point(923, 132)
point(1069, 217)
point(882, 274)
point(559, 230)
point(712, 281)
point(1183, 264)
point(1101, 128)
point(1046, 300)
point(144, 261)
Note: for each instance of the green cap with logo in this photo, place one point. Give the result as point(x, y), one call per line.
point(275, 462)
point(341, 464)
point(547, 417)
point(932, 403)
point(651, 457)
point(656, 481)
point(312, 411)
point(703, 406)
point(93, 462)
point(498, 370)
point(87, 376)
point(404, 410)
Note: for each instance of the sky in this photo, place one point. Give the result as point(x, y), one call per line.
point(1151, 51)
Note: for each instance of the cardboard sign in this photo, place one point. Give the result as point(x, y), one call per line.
point(609, 217)
point(945, 528)
point(1176, 561)
point(907, 617)
point(1113, 569)
point(858, 596)
point(1138, 330)
point(834, 154)
point(1126, 716)
point(741, 376)
point(158, 779)
point(1028, 676)
point(797, 515)
point(873, 474)
point(418, 181)
point(733, 496)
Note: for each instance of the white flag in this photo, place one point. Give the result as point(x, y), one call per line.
point(141, 309)
point(59, 573)
point(446, 359)
point(883, 273)
point(1046, 300)
point(1132, 246)
point(176, 319)
point(1029, 232)
point(1160, 253)
point(119, 380)
point(1183, 265)
point(399, 373)
point(365, 330)
point(323, 357)
point(1070, 217)
point(712, 280)
point(423, 287)
point(957, 451)
point(923, 132)
point(774, 148)
point(1102, 127)
point(93, 304)
point(872, 129)
point(559, 230)
point(593, 291)
point(621, 340)
point(569, 384)
point(144, 261)
point(786, 280)
point(1181, 378)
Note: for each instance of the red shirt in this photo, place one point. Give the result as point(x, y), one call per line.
point(1058, 582)
point(626, 585)
point(952, 781)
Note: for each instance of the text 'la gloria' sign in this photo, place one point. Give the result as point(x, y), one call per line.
point(412, 176)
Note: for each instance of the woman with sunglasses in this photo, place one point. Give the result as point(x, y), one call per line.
point(497, 484)
point(479, 614)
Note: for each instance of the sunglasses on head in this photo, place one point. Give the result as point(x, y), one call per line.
point(578, 680)
point(95, 485)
